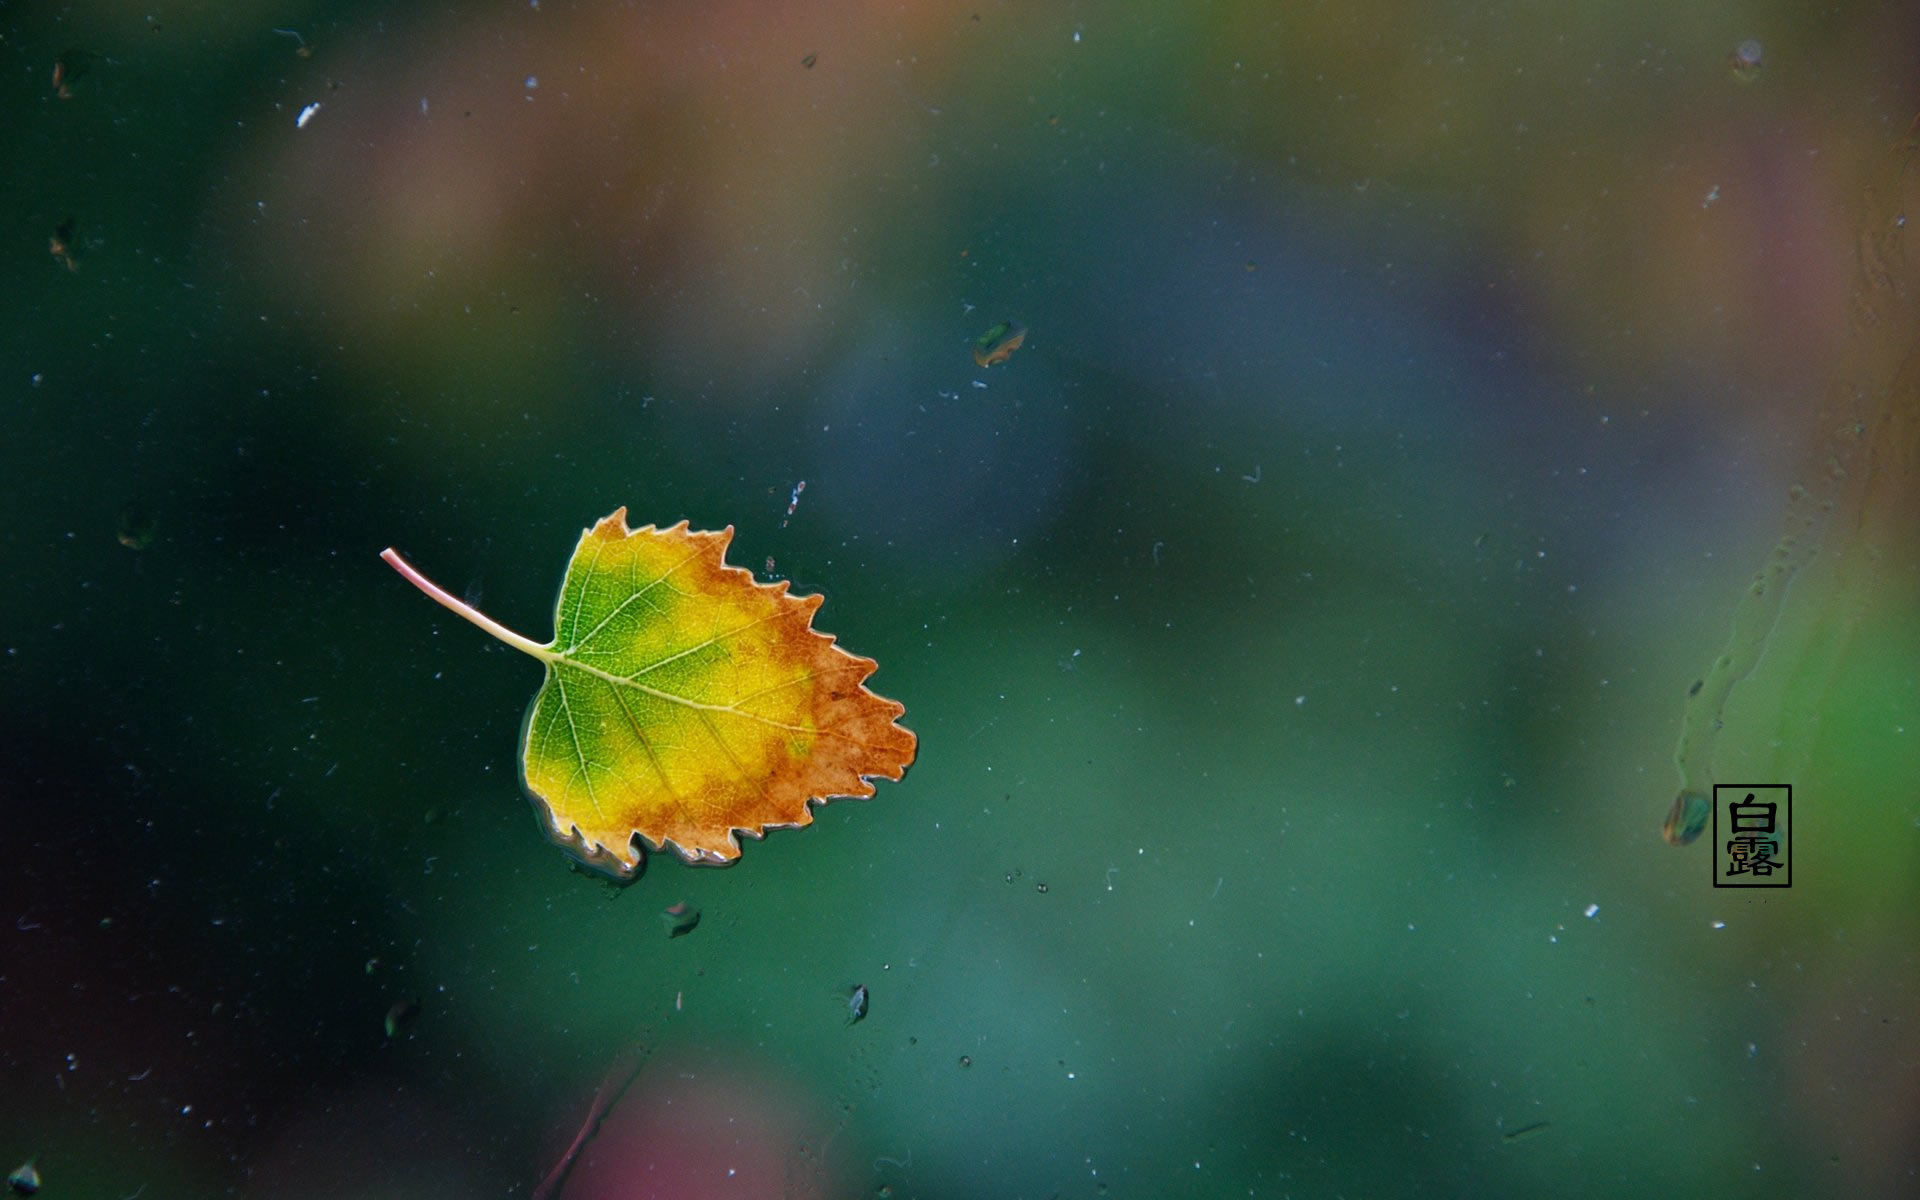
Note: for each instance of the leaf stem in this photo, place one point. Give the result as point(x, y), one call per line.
point(525, 645)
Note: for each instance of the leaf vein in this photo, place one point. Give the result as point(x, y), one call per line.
point(699, 646)
point(577, 642)
point(579, 752)
point(653, 757)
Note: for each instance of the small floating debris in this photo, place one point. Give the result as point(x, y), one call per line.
point(135, 527)
point(306, 114)
point(1749, 57)
point(1688, 817)
point(680, 919)
point(997, 345)
point(301, 46)
point(1527, 1131)
point(857, 1004)
point(809, 60)
point(70, 66)
point(61, 245)
point(401, 1017)
point(25, 1180)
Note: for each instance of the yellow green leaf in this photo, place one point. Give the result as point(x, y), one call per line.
point(685, 703)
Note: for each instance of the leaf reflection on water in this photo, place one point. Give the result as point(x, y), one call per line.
point(1843, 520)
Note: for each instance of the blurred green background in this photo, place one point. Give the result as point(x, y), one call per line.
point(1296, 627)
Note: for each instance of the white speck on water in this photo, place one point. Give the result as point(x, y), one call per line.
point(306, 114)
point(1719, 924)
point(533, 81)
point(1592, 911)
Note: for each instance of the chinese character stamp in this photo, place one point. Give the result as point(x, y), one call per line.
point(1753, 835)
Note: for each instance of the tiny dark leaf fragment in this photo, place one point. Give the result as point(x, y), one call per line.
point(1527, 1131)
point(70, 66)
point(997, 344)
point(401, 1017)
point(63, 246)
point(680, 919)
point(25, 1180)
point(135, 527)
